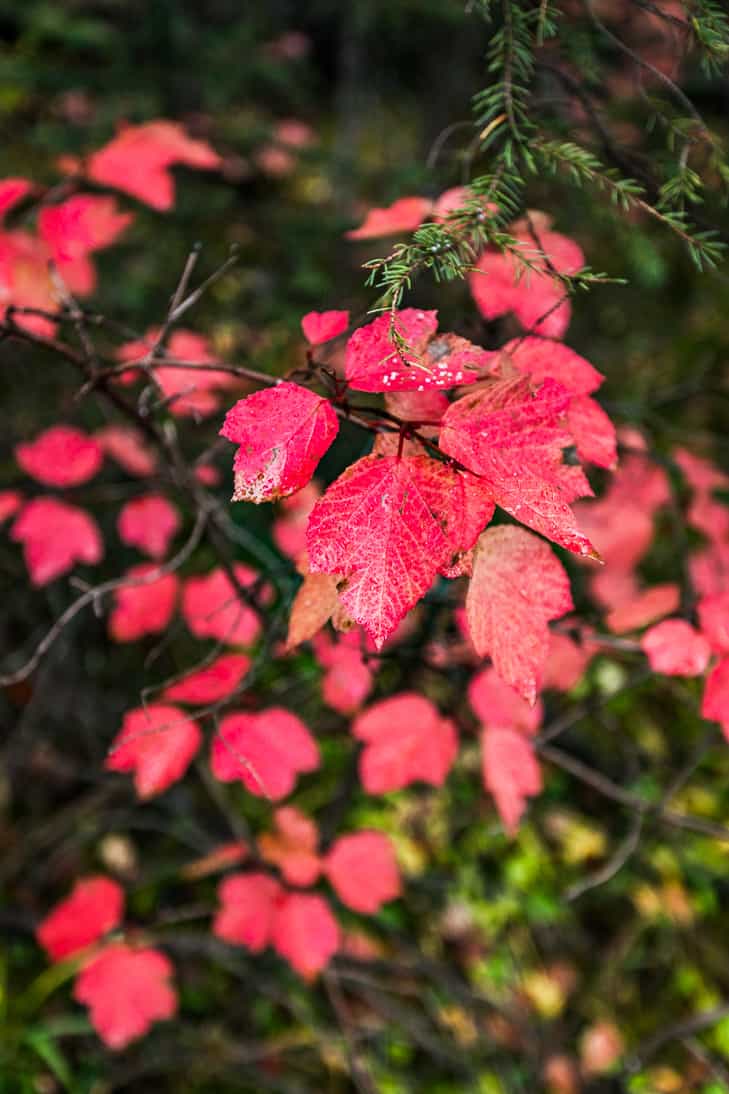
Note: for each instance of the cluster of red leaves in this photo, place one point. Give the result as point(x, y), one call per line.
point(126, 986)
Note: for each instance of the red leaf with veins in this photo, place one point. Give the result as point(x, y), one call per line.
point(55, 536)
point(61, 456)
point(363, 872)
point(715, 704)
point(305, 933)
point(126, 990)
point(675, 648)
point(499, 706)
point(322, 326)
point(138, 159)
point(157, 743)
point(404, 215)
point(544, 359)
point(517, 587)
point(292, 846)
point(374, 361)
point(149, 523)
point(145, 608)
point(513, 439)
point(406, 740)
point(212, 683)
point(248, 905)
point(282, 432)
point(94, 907)
point(510, 772)
point(212, 608)
point(265, 751)
point(387, 526)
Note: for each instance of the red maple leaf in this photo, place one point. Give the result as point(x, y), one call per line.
point(347, 676)
point(292, 846)
point(510, 772)
point(265, 751)
point(363, 872)
point(149, 523)
point(417, 360)
point(12, 191)
point(513, 439)
point(305, 933)
point(406, 740)
point(675, 648)
point(94, 907)
point(216, 681)
point(55, 536)
point(74, 229)
point(322, 326)
point(643, 608)
point(157, 743)
point(10, 502)
point(248, 906)
point(282, 432)
point(126, 990)
point(144, 608)
point(715, 703)
point(501, 283)
point(138, 159)
point(212, 608)
point(713, 612)
point(387, 525)
point(404, 215)
point(499, 706)
point(126, 445)
point(61, 456)
point(517, 587)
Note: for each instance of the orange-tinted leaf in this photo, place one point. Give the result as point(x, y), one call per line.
point(404, 215)
point(292, 846)
point(313, 605)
